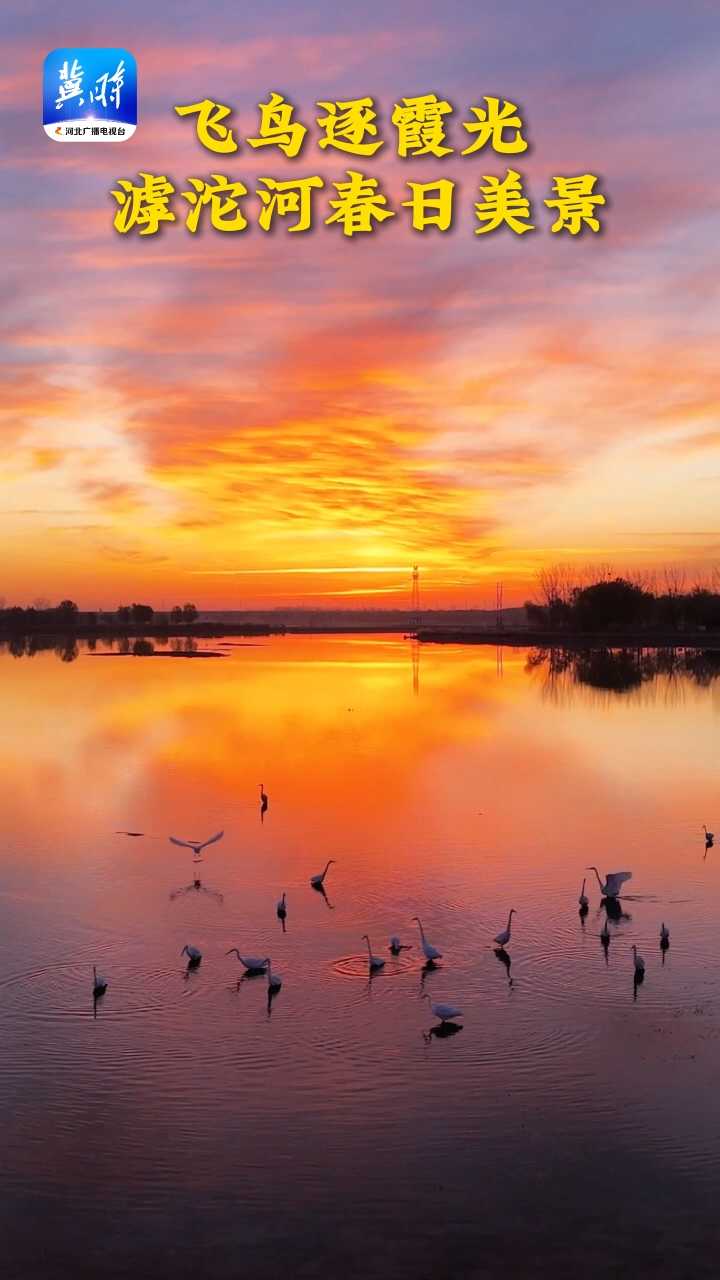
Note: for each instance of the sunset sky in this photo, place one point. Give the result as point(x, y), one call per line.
point(272, 419)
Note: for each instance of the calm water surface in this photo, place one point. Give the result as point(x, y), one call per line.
point(571, 1127)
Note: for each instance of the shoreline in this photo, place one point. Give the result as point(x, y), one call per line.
point(534, 639)
point(510, 637)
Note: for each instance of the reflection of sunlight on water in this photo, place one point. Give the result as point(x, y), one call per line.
point(453, 804)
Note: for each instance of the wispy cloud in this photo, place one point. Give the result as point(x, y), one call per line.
point(177, 408)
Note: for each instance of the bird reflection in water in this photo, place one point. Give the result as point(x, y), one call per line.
point(320, 889)
point(428, 967)
point(614, 910)
point(505, 960)
point(443, 1031)
point(194, 956)
point(605, 938)
point(197, 886)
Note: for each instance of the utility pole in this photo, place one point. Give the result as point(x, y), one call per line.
point(415, 598)
point(499, 605)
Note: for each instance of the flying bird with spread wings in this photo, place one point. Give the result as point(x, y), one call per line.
point(614, 881)
point(197, 846)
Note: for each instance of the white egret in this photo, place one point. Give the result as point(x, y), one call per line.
point(281, 908)
point(318, 881)
point(583, 899)
point(614, 881)
point(664, 933)
point(430, 952)
point(396, 946)
point(445, 1012)
point(99, 983)
point(251, 963)
point(503, 938)
point(197, 846)
point(274, 980)
point(193, 954)
point(638, 962)
point(374, 962)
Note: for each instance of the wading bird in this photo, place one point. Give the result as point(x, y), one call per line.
point(503, 938)
point(193, 954)
point(664, 935)
point(251, 963)
point(318, 881)
point(583, 899)
point(445, 1012)
point(281, 908)
point(614, 881)
point(638, 962)
point(709, 838)
point(396, 946)
point(197, 846)
point(99, 984)
point(274, 980)
point(374, 962)
point(430, 952)
point(263, 802)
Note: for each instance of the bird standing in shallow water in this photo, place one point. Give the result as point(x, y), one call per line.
point(281, 908)
point(638, 962)
point(193, 954)
point(99, 984)
point(583, 899)
point(445, 1012)
point(374, 962)
point(396, 946)
point(503, 938)
point(614, 881)
point(430, 952)
point(274, 980)
point(263, 802)
point(253, 964)
point(664, 935)
point(709, 838)
point(318, 881)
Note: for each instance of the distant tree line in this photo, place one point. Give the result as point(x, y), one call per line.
point(607, 602)
point(141, 613)
point(67, 617)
